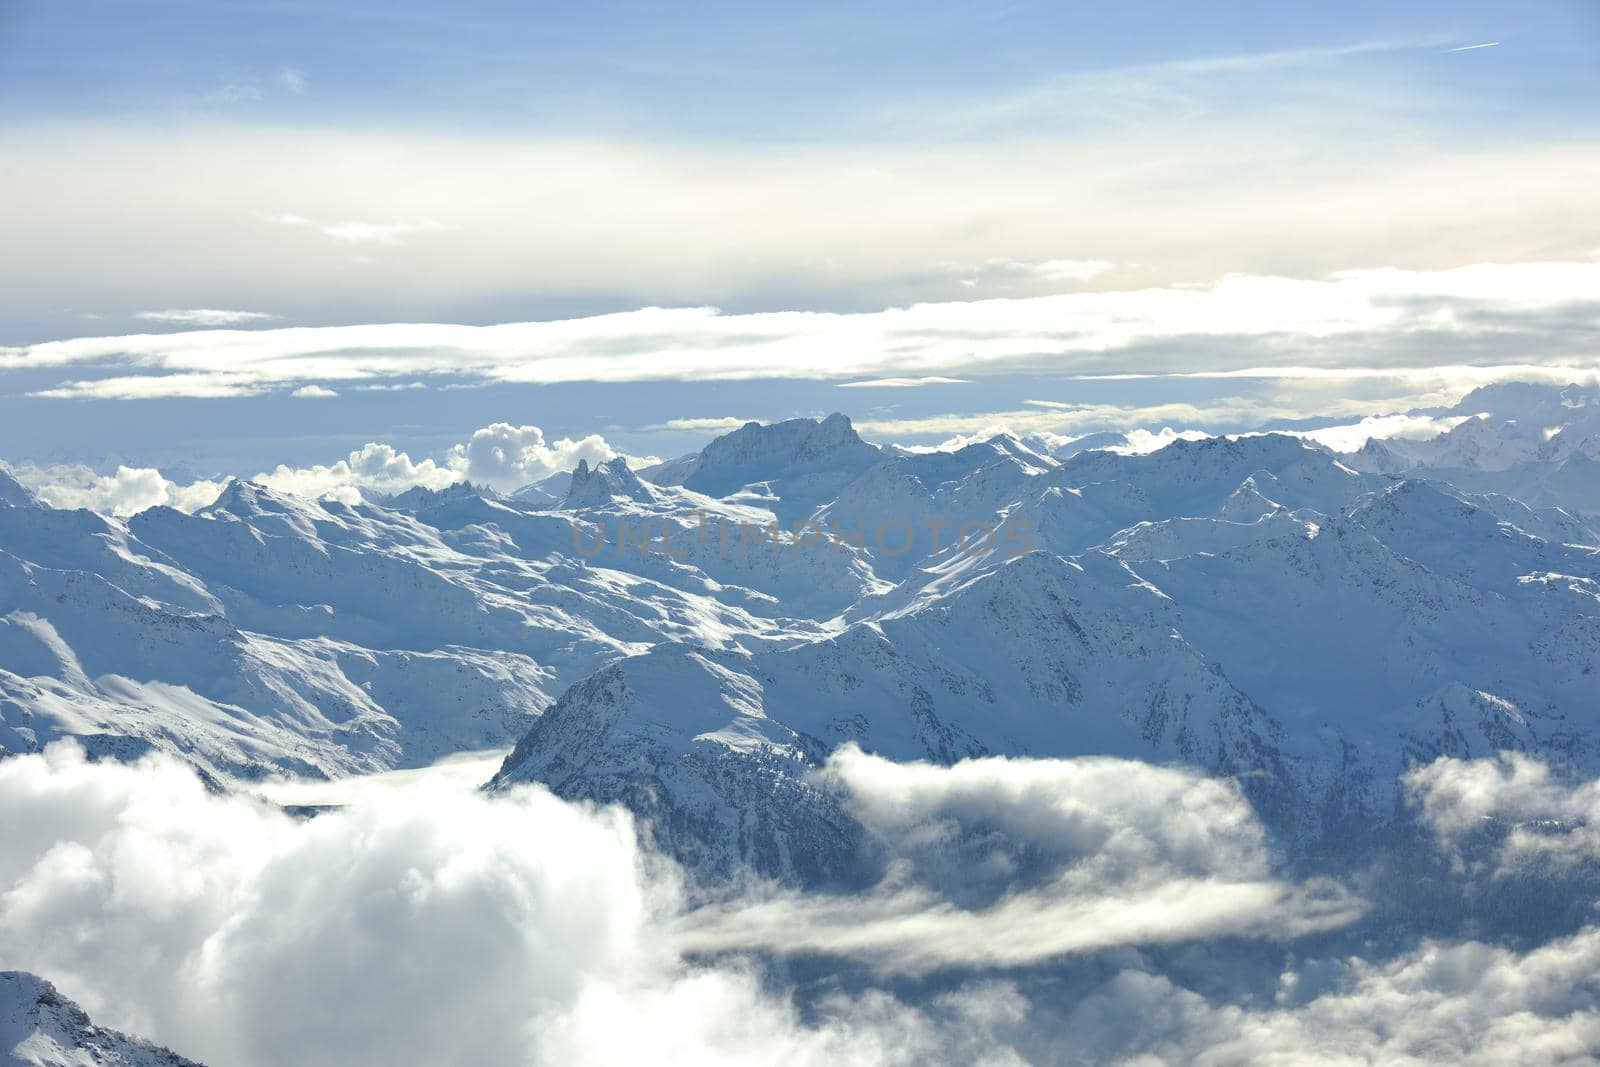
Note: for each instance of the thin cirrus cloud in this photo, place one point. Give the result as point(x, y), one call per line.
point(1355, 322)
point(519, 227)
point(351, 232)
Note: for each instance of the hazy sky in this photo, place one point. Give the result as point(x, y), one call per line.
point(978, 204)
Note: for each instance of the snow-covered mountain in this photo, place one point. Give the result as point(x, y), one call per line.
point(794, 466)
point(1539, 444)
point(268, 632)
point(41, 1028)
point(694, 640)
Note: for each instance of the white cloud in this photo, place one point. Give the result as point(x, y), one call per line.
point(646, 221)
point(1061, 332)
point(501, 456)
point(1138, 440)
point(508, 457)
point(126, 492)
point(352, 232)
point(1068, 419)
point(425, 925)
point(293, 80)
point(204, 316)
point(1469, 1004)
point(1547, 817)
point(1008, 862)
point(903, 383)
point(1141, 442)
point(314, 392)
point(1458, 374)
point(378, 467)
point(699, 425)
point(428, 923)
point(1075, 270)
point(396, 387)
point(1350, 438)
point(398, 932)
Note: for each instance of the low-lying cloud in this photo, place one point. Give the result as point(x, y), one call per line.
point(429, 923)
point(1008, 862)
point(1537, 815)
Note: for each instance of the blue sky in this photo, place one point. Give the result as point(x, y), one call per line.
point(769, 72)
point(280, 168)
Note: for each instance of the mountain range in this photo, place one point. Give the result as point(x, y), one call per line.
point(693, 640)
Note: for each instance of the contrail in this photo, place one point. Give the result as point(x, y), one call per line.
point(1470, 47)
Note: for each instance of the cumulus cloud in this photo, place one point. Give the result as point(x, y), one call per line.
point(436, 928)
point(508, 457)
point(378, 467)
point(501, 456)
point(1375, 314)
point(428, 925)
point(314, 392)
point(1009, 862)
point(426, 922)
point(127, 491)
point(204, 316)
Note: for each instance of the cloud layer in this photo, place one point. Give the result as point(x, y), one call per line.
point(425, 922)
point(1353, 324)
point(1528, 813)
point(1008, 862)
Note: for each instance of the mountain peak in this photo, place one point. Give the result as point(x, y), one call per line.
point(243, 498)
point(419, 497)
point(39, 1025)
point(13, 493)
point(603, 483)
point(266, 509)
point(781, 450)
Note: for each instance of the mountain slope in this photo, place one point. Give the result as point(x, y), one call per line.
point(41, 1028)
